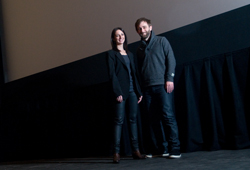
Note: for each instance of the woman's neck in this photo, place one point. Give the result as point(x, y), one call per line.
point(121, 49)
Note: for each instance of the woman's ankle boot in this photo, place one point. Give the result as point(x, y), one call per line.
point(138, 155)
point(116, 158)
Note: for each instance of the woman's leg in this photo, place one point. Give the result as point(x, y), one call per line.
point(132, 116)
point(118, 122)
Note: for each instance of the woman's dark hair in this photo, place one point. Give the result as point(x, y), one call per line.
point(113, 43)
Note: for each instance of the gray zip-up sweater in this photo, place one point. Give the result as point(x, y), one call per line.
point(156, 61)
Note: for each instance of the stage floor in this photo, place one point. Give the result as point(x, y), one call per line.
point(201, 160)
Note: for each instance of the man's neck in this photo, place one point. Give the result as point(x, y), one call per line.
point(148, 38)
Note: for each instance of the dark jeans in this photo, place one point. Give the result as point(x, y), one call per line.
point(130, 107)
point(158, 106)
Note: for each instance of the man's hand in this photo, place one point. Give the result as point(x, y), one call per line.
point(169, 86)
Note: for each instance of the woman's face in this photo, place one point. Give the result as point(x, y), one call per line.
point(119, 37)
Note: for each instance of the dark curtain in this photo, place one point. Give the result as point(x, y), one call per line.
point(42, 115)
point(211, 102)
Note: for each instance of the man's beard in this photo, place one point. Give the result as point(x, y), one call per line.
point(145, 36)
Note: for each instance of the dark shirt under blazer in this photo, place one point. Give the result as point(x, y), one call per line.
point(119, 74)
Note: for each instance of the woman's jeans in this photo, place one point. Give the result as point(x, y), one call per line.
point(158, 105)
point(128, 107)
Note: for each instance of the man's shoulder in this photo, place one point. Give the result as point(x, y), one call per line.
point(161, 39)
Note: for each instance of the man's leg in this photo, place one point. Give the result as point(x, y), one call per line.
point(169, 121)
point(149, 137)
point(154, 118)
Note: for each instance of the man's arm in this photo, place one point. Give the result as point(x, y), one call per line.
point(169, 61)
point(170, 66)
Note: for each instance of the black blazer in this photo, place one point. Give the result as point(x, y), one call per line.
point(119, 74)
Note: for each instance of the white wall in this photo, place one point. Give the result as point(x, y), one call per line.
point(43, 34)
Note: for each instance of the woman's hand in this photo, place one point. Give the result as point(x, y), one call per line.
point(119, 98)
point(140, 98)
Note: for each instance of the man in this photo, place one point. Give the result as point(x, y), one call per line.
point(156, 64)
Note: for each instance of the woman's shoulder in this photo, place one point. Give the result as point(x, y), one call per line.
point(111, 52)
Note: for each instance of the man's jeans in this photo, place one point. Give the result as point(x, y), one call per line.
point(158, 105)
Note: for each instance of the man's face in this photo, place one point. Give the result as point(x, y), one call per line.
point(144, 30)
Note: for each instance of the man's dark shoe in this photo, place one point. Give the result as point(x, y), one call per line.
point(174, 154)
point(158, 154)
point(165, 154)
point(149, 155)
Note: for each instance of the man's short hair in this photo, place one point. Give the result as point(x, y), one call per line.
point(138, 22)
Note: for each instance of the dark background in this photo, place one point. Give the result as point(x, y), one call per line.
point(66, 111)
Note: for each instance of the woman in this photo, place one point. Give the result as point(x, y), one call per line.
point(127, 93)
